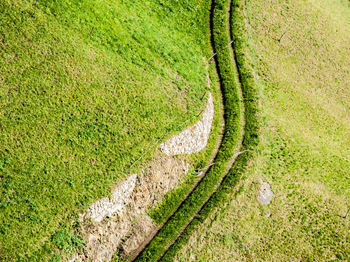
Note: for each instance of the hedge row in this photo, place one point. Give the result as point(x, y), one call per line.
point(232, 115)
point(252, 123)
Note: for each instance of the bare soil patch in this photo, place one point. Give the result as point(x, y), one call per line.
point(125, 230)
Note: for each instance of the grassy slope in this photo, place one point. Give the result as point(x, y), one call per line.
point(85, 87)
point(305, 153)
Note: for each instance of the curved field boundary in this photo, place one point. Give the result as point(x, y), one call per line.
point(251, 130)
point(162, 213)
point(202, 200)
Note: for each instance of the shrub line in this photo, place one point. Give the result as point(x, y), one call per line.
point(251, 132)
point(196, 205)
point(232, 115)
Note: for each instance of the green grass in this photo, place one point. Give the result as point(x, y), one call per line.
point(85, 88)
point(304, 153)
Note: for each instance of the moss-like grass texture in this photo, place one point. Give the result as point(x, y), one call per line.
point(85, 88)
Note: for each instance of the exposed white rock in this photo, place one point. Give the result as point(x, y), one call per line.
point(194, 138)
point(124, 231)
point(265, 194)
point(108, 206)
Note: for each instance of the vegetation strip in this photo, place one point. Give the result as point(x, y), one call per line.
point(251, 132)
point(173, 199)
point(192, 205)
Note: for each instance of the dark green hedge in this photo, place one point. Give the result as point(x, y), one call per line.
point(193, 204)
point(251, 129)
point(232, 116)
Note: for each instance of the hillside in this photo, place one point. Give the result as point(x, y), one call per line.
point(99, 98)
point(86, 88)
point(301, 53)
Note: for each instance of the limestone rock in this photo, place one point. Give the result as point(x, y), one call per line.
point(265, 194)
point(194, 138)
point(108, 206)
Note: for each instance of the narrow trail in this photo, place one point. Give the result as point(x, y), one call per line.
point(238, 147)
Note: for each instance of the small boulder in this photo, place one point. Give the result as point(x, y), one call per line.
point(265, 194)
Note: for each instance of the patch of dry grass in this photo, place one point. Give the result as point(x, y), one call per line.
point(305, 152)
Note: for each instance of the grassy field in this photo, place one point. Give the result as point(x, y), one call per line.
point(301, 50)
point(85, 88)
